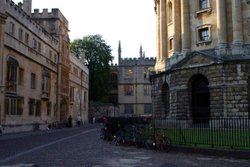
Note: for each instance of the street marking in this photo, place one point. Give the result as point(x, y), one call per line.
point(43, 146)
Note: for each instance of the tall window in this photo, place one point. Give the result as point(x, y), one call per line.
point(170, 12)
point(12, 28)
point(32, 106)
point(20, 76)
point(128, 90)
point(146, 90)
point(38, 108)
point(14, 106)
point(128, 109)
point(33, 81)
point(46, 83)
point(11, 80)
point(72, 92)
point(34, 43)
point(20, 34)
point(203, 4)
point(204, 34)
point(39, 46)
point(248, 97)
point(27, 38)
point(49, 108)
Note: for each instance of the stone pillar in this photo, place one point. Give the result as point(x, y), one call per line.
point(163, 30)
point(161, 35)
point(221, 26)
point(157, 7)
point(185, 26)
point(177, 26)
point(237, 27)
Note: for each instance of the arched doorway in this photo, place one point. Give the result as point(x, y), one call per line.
point(165, 99)
point(200, 99)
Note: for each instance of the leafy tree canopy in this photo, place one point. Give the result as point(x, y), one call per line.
point(97, 56)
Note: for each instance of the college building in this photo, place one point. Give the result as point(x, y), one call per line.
point(203, 60)
point(41, 83)
point(134, 87)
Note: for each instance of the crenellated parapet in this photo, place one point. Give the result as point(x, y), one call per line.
point(16, 12)
point(54, 14)
point(137, 61)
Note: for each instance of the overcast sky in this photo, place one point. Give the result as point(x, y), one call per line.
point(131, 21)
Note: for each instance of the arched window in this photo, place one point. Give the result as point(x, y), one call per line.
point(170, 12)
point(11, 79)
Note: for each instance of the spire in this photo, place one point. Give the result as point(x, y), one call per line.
point(140, 52)
point(119, 52)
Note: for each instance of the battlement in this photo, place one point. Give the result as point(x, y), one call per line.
point(45, 14)
point(138, 61)
point(17, 12)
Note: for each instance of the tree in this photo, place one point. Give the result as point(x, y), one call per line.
point(97, 56)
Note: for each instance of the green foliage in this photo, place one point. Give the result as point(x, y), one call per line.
point(97, 55)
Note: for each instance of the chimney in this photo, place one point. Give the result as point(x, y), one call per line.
point(20, 5)
point(27, 5)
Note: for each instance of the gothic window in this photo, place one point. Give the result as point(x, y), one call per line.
point(11, 79)
point(170, 12)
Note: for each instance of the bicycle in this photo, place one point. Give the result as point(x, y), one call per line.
point(159, 141)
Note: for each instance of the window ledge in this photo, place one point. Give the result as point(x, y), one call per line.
point(200, 43)
point(207, 10)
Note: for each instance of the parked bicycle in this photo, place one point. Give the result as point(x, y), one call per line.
point(159, 141)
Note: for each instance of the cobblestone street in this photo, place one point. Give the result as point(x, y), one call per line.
point(81, 147)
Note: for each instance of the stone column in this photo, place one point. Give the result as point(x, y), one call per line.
point(177, 26)
point(185, 26)
point(237, 27)
point(157, 6)
point(163, 30)
point(221, 26)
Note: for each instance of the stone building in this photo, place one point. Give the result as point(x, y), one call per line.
point(35, 67)
point(134, 89)
point(203, 59)
point(78, 86)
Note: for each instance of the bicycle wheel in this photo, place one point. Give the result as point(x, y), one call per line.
point(166, 145)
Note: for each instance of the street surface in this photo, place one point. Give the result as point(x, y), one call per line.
point(82, 147)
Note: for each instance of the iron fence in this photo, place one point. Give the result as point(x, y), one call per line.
point(226, 133)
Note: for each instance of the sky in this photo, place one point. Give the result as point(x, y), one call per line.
point(130, 21)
